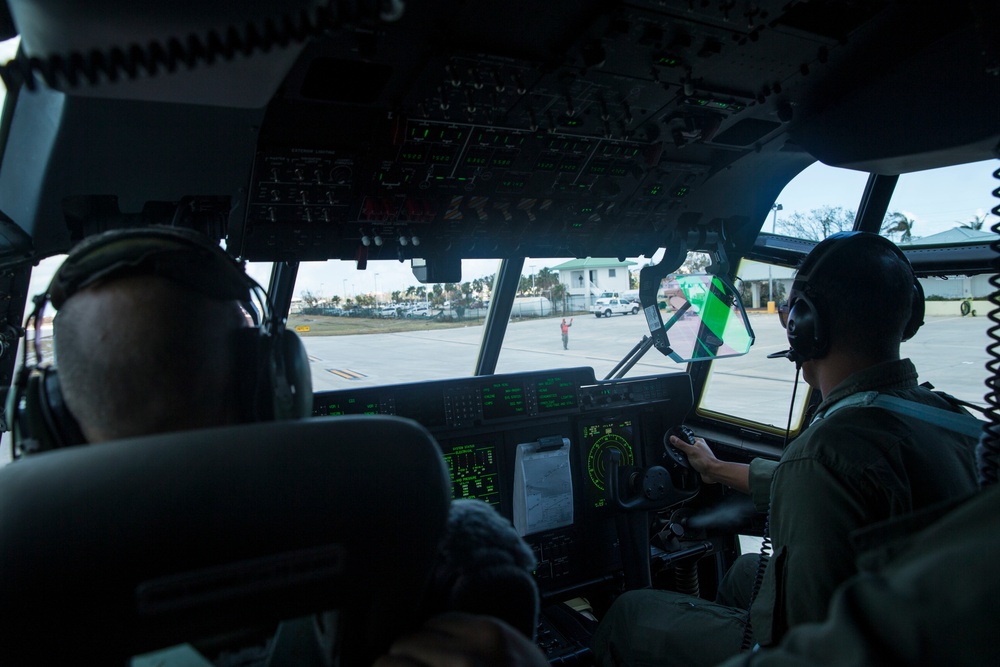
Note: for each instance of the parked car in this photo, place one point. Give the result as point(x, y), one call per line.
point(609, 307)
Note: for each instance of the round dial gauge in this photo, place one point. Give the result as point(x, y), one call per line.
point(596, 467)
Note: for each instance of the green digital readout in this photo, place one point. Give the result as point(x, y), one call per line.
point(512, 184)
point(598, 440)
point(503, 399)
point(352, 405)
point(555, 393)
point(413, 154)
point(473, 471)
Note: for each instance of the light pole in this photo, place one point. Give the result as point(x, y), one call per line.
point(774, 224)
point(376, 289)
point(345, 290)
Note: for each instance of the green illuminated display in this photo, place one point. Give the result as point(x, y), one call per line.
point(598, 440)
point(556, 394)
point(473, 471)
point(513, 184)
point(353, 405)
point(503, 399)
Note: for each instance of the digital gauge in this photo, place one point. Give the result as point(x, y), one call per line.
point(598, 440)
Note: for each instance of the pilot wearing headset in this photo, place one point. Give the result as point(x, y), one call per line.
point(151, 336)
point(879, 447)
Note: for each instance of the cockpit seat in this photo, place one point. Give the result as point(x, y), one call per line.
point(113, 550)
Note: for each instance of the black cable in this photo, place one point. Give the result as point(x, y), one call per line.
point(765, 545)
point(169, 55)
point(988, 451)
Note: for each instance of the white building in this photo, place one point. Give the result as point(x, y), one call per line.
point(592, 276)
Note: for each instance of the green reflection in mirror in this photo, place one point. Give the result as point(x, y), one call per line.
point(704, 316)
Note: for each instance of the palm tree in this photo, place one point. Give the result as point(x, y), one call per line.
point(558, 295)
point(898, 223)
point(976, 224)
point(546, 278)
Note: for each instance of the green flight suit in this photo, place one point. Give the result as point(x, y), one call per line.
point(856, 467)
point(926, 597)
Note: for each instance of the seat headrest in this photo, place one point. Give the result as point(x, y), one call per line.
point(121, 548)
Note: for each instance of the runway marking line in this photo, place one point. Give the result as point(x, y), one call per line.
point(346, 373)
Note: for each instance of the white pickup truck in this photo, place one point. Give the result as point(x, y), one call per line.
point(609, 307)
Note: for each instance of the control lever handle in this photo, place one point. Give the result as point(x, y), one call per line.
point(652, 487)
point(682, 433)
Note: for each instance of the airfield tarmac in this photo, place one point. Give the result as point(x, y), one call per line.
point(950, 352)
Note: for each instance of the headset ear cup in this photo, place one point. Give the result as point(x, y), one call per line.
point(276, 382)
point(916, 311)
point(44, 421)
point(253, 355)
point(59, 420)
point(293, 378)
point(805, 329)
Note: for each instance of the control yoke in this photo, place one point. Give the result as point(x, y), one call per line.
point(647, 489)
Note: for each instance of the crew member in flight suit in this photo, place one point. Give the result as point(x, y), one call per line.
point(854, 300)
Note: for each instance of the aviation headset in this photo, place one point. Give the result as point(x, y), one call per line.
point(280, 386)
point(807, 317)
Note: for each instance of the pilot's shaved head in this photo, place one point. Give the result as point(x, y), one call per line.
point(140, 354)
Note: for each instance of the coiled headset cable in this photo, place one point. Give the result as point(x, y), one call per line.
point(988, 451)
point(74, 69)
point(765, 545)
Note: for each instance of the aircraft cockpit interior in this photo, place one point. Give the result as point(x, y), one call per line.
point(331, 147)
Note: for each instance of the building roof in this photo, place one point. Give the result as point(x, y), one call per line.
point(955, 235)
point(592, 263)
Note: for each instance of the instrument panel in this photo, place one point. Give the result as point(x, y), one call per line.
point(465, 130)
point(532, 445)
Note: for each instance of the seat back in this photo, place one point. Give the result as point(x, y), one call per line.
point(112, 550)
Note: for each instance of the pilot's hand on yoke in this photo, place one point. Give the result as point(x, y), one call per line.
point(712, 470)
point(456, 639)
point(701, 458)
